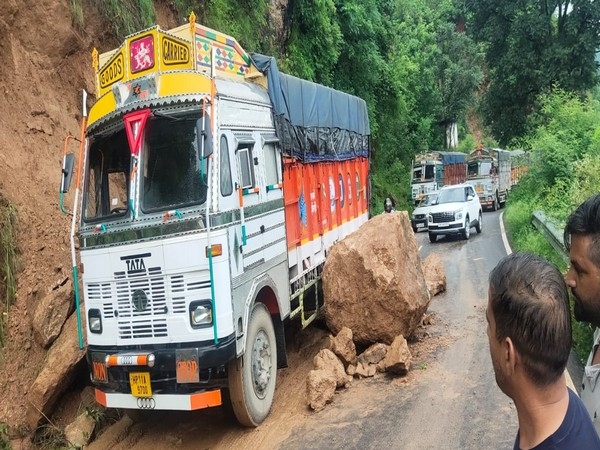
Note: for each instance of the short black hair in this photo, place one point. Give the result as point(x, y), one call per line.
point(530, 303)
point(585, 221)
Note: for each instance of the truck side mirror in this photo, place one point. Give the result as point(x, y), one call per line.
point(203, 137)
point(67, 172)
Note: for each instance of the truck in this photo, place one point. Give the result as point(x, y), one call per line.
point(519, 165)
point(432, 170)
point(212, 187)
point(489, 172)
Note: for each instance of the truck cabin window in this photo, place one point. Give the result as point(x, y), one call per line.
point(106, 190)
point(473, 169)
point(417, 172)
point(173, 175)
point(245, 158)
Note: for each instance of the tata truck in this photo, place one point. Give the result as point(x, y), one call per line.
point(210, 187)
point(433, 170)
point(489, 172)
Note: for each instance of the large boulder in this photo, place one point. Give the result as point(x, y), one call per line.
point(55, 377)
point(435, 274)
point(52, 312)
point(373, 282)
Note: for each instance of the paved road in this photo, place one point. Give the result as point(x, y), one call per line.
point(449, 400)
point(454, 403)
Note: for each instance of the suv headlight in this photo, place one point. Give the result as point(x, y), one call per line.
point(429, 218)
point(458, 215)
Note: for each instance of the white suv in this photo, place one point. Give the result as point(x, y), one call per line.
point(456, 210)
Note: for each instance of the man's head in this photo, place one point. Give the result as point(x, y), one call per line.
point(389, 204)
point(582, 239)
point(529, 324)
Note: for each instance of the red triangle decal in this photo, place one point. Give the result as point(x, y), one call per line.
point(134, 126)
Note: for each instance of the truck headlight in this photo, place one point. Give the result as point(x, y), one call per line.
point(95, 321)
point(201, 314)
point(458, 215)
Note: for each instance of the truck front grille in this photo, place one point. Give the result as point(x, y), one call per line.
point(141, 301)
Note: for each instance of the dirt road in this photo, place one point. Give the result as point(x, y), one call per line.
point(449, 400)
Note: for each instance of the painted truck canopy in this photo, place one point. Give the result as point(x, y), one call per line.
point(453, 157)
point(315, 122)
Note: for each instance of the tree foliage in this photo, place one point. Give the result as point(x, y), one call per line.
point(533, 45)
point(405, 58)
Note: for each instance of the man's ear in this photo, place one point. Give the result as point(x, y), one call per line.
point(509, 355)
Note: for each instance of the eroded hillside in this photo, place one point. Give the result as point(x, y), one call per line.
point(44, 64)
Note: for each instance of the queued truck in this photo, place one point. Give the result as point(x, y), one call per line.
point(519, 165)
point(489, 172)
point(433, 170)
point(212, 186)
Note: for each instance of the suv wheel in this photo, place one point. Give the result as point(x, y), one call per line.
point(432, 237)
point(467, 230)
point(479, 224)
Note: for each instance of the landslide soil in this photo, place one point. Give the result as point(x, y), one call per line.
point(44, 64)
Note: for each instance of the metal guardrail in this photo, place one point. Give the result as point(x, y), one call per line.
point(553, 233)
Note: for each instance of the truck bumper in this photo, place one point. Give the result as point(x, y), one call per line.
point(174, 402)
point(175, 376)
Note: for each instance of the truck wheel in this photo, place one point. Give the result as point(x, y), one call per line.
point(252, 376)
point(432, 237)
point(467, 230)
point(479, 225)
point(495, 204)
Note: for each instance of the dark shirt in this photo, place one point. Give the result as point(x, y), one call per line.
point(576, 430)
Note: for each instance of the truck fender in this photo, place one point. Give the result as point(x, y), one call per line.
point(264, 291)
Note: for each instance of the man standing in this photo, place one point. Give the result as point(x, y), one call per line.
point(582, 240)
point(529, 333)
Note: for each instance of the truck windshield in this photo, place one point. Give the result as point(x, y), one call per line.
point(473, 169)
point(106, 189)
point(429, 172)
point(174, 176)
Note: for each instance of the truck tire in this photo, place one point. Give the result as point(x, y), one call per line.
point(252, 376)
point(432, 237)
point(495, 204)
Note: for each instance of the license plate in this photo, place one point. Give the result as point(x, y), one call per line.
point(442, 225)
point(420, 225)
point(140, 384)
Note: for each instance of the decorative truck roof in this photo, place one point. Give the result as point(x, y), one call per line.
point(154, 64)
point(153, 68)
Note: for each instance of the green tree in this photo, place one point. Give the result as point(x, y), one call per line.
point(459, 71)
point(533, 45)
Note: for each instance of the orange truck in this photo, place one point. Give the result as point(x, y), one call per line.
point(212, 186)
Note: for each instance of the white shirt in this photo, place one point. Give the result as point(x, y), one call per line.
point(590, 386)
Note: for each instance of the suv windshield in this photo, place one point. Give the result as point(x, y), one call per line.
point(428, 200)
point(452, 195)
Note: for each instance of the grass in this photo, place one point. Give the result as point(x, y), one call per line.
point(4, 440)
point(77, 14)
point(128, 16)
point(8, 262)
